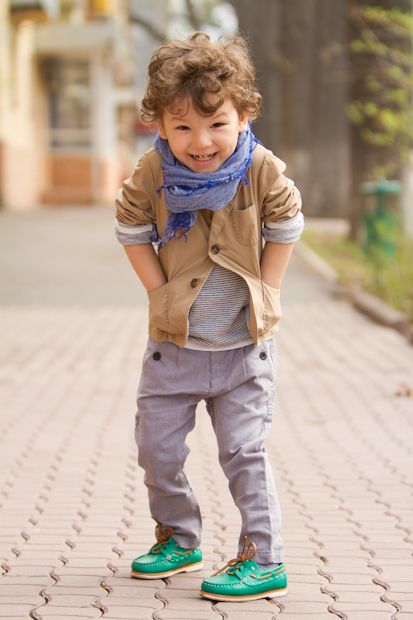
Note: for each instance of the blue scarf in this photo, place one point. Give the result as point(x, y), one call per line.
point(186, 191)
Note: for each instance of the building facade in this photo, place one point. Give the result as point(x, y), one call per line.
point(67, 101)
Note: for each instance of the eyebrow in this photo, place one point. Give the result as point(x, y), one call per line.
point(213, 117)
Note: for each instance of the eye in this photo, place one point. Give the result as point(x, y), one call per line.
point(218, 125)
point(182, 128)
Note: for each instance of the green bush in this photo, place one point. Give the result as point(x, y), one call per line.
point(389, 277)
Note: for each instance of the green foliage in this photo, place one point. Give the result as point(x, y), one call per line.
point(383, 109)
point(389, 277)
point(394, 282)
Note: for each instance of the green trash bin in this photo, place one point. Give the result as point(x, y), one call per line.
point(381, 223)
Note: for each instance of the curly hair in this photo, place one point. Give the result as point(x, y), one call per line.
point(206, 71)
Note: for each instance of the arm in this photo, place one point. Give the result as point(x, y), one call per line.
point(282, 219)
point(135, 216)
point(274, 262)
point(146, 264)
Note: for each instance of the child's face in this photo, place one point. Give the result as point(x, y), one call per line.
point(202, 143)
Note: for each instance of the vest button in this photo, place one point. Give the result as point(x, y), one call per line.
point(194, 282)
point(156, 356)
point(215, 249)
point(263, 355)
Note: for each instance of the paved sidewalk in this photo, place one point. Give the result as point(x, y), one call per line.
point(73, 508)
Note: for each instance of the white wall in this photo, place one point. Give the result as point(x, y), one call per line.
point(21, 120)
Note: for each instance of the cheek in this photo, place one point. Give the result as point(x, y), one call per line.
point(178, 144)
point(234, 141)
point(178, 147)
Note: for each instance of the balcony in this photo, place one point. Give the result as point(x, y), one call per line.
point(64, 37)
point(34, 9)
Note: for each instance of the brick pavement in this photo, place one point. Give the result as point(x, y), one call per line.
point(73, 505)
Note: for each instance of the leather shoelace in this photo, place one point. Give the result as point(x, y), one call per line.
point(248, 553)
point(163, 533)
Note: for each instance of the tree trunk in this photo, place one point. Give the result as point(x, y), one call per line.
point(364, 156)
point(298, 50)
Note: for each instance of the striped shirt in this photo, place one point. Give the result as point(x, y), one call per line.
point(218, 318)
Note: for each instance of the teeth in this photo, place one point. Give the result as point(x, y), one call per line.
point(202, 157)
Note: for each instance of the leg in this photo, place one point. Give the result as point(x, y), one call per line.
point(241, 418)
point(165, 416)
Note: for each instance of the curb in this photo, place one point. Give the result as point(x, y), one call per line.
point(317, 263)
point(366, 303)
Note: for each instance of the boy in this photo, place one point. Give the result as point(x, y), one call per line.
point(206, 195)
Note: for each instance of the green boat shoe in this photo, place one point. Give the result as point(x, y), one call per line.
point(243, 580)
point(166, 558)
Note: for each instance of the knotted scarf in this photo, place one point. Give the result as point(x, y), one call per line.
point(186, 191)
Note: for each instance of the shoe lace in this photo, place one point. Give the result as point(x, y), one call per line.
point(163, 533)
point(248, 553)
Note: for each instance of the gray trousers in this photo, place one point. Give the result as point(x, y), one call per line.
point(238, 387)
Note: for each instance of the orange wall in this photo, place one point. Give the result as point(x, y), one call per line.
point(70, 179)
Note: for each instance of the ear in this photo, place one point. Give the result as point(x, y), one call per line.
point(161, 128)
point(243, 121)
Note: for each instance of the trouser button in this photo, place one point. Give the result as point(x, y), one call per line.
point(263, 355)
point(156, 356)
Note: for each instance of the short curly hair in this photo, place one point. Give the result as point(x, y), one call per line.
point(206, 71)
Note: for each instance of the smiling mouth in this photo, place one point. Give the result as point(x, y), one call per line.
point(203, 157)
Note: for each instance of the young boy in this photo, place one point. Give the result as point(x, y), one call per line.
point(205, 196)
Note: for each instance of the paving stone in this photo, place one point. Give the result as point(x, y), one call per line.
point(348, 589)
point(369, 615)
point(406, 605)
point(355, 579)
point(143, 615)
point(126, 601)
point(400, 573)
point(141, 591)
point(189, 593)
point(56, 611)
point(319, 616)
point(129, 613)
point(19, 591)
point(194, 601)
point(135, 584)
point(394, 559)
point(22, 599)
point(56, 589)
point(366, 598)
point(406, 595)
point(73, 600)
point(183, 614)
point(79, 581)
point(27, 571)
point(236, 611)
point(303, 607)
point(15, 610)
point(70, 375)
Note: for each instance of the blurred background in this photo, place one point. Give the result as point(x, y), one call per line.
point(337, 82)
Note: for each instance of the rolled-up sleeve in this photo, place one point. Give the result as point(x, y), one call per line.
point(134, 222)
point(133, 235)
point(282, 218)
point(285, 231)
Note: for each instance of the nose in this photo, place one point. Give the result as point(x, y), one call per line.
point(201, 139)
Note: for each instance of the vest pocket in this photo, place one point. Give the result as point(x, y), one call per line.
point(158, 307)
point(245, 225)
point(272, 305)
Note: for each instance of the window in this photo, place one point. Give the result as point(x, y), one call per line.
point(69, 103)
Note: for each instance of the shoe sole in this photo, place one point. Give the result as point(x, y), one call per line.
point(190, 568)
point(248, 597)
